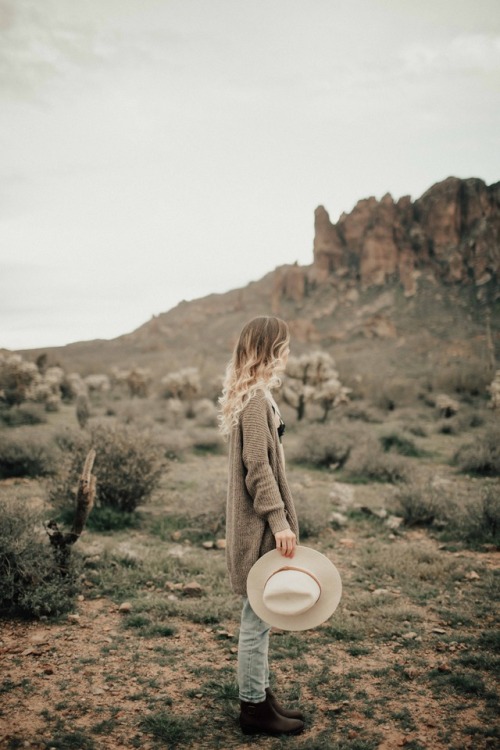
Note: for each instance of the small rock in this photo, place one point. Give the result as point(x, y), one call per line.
point(207, 545)
point(472, 576)
point(48, 669)
point(411, 672)
point(38, 640)
point(380, 592)
point(409, 636)
point(220, 544)
point(125, 607)
point(225, 634)
point(176, 535)
point(74, 618)
point(444, 667)
point(192, 589)
point(393, 522)
point(440, 631)
point(346, 542)
point(338, 519)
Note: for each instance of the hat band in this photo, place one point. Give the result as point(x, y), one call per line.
point(292, 567)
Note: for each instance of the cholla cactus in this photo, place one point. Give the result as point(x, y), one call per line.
point(494, 391)
point(73, 386)
point(98, 383)
point(313, 377)
point(183, 384)
point(17, 378)
point(138, 381)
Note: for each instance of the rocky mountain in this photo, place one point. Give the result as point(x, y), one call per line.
point(452, 231)
point(406, 275)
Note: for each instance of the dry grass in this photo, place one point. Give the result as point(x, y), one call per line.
point(407, 659)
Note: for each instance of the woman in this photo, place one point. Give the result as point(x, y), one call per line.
point(260, 509)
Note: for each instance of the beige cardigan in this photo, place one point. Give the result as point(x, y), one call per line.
point(259, 501)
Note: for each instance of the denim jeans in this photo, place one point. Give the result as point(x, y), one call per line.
point(253, 665)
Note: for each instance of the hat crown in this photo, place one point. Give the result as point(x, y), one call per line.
point(291, 592)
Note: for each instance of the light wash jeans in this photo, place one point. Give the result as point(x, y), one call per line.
point(253, 665)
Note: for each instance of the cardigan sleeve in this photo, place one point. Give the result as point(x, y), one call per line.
point(260, 481)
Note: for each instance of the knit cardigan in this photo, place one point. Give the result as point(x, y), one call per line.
point(259, 501)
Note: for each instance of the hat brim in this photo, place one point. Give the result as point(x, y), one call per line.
point(320, 566)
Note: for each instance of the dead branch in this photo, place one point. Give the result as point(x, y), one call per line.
point(62, 542)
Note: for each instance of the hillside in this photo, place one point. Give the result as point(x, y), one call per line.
point(408, 283)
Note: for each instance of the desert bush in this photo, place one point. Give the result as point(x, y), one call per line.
point(368, 461)
point(30, 583)
point(394, 441)
point(175, 444)
point(314, 510)
point(363, 412)
point(24, 414)
point(481, 520)
point(392, 393)
point(467, 377)
point(324, 446)
point(26, 455)
point(17, 378)
point(422, 503)
point(462, 422)
point(482, 456)
point(183, 384)
point(82, 410)
point(207, 440)
point(475, 519)
point(205, 413)
point(128, 468)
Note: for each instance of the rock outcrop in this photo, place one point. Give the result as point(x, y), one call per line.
point(452, 230)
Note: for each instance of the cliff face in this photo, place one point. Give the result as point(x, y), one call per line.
point(453, 230)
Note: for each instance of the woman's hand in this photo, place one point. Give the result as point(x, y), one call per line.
point(286, 541)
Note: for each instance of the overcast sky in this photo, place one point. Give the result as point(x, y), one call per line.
point(160, 150)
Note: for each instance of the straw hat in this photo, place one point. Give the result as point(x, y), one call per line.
point(294, 593)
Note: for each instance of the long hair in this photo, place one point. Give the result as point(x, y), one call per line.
point(257, 359)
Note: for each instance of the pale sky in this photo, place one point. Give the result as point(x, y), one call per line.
point(160, 150)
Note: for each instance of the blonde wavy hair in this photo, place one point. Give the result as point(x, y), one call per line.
point(257, 359)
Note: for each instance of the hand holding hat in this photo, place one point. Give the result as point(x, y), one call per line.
point(295, 595)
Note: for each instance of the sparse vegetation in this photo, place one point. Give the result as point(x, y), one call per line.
point(481, 456)
point(26, 454)
point(128, 465)
point(30, 583)
point(402, 636)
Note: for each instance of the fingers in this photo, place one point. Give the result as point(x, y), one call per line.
point(286, 544)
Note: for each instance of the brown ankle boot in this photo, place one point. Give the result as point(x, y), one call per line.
point(263, 718)
point(289, 713)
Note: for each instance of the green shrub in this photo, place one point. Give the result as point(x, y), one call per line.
point(25, 455)
point(393, 441)
point(482, 456)
point(481, 520)
point(368, 462)
point(421, 504)
point(475, 519)
point(128, 468)
point(467, 377)
point(324, 445)
point(392, 393)
point(30, 583)
point(24, 414)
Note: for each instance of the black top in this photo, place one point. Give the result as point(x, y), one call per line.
point(281, 426)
